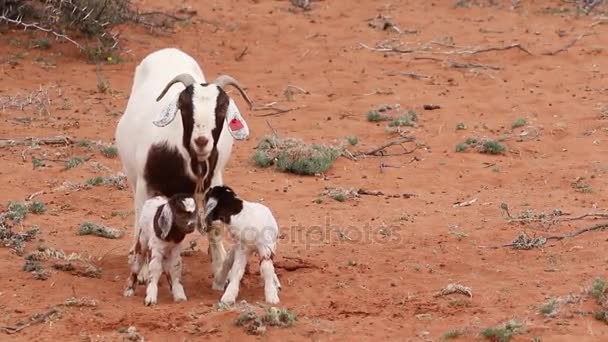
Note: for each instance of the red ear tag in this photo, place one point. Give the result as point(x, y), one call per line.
point(235, 125)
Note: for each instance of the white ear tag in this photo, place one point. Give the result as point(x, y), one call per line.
point(236, 123)
point(167, 114)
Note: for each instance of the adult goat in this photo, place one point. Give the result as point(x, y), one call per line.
point(164, 156)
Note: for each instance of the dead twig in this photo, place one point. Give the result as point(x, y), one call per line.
point(540, 241)
point(567, 46)
point(19, 21)
point(388, 49)
point(379, 151)
point(488, 49)
point(37, 193)
point(413, 75)
point(34, 319)
point(459, 65)
point(464, 204)
point(277, 110)
point(455, 288)
point(58, 140)
point(580, 217)
point(240, 56)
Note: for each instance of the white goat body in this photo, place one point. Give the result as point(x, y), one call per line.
point(254, 229)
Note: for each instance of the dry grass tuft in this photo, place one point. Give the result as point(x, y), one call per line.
point(88, 228)
point(294, 156)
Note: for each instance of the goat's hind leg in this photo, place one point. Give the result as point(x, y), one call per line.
point(140, 198)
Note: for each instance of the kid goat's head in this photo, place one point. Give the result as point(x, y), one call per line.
point(203, 108)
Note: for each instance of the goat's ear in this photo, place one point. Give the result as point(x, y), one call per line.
point(165, 221)
point(209, 206)
point(236, 123)
point(167, 114)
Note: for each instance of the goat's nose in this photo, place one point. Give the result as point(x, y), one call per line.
point(201, 142)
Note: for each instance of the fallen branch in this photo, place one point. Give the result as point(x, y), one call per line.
point(240, 56)
point(464, 204)
point(58, 140)
point(389, 49)
point(34, 319)
point(277, 111)
point(378, 151)
point(413, 75)
point(540, 241)
point(567, 46)
point(455, 288)
point(459, 65)
point(19, 22)
point(580, 217)
point(488, 49)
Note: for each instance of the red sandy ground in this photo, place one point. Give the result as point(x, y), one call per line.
point(375, 286)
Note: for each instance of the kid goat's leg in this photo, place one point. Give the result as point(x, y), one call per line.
point(155, 269)
point(236, 274)
point(220, 283)
point(271, 281)
point(173, 266)
point(135, 259)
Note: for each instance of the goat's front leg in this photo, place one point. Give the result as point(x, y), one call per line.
point(216, 250)
point(135, 259)
point(155, 269)
point(236, 274)
point(271, 281)
point(219, 283)
point(173, 266)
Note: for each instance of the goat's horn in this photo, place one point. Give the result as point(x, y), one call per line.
point(185, 79)
point(224, 80)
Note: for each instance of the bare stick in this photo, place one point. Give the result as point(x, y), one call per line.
point(567, 46)
point(240, 56)
point(391, 49)
point(171, 16)
point(580, 217)
point(377, 150)
point(58, 140)
point(277, 111)
point(31, 197)
point(602, 21)
point(459, 65)
point(599, 226)
point(34, 319)
point(413, 75)
point(488, 49)
point(19, 21)
point(274, 131)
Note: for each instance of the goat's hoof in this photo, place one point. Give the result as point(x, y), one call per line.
point(273, 300)
point(150, 301)
point(228, 300)
point(180, 298)
point(218, 287)
point(129, 292)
